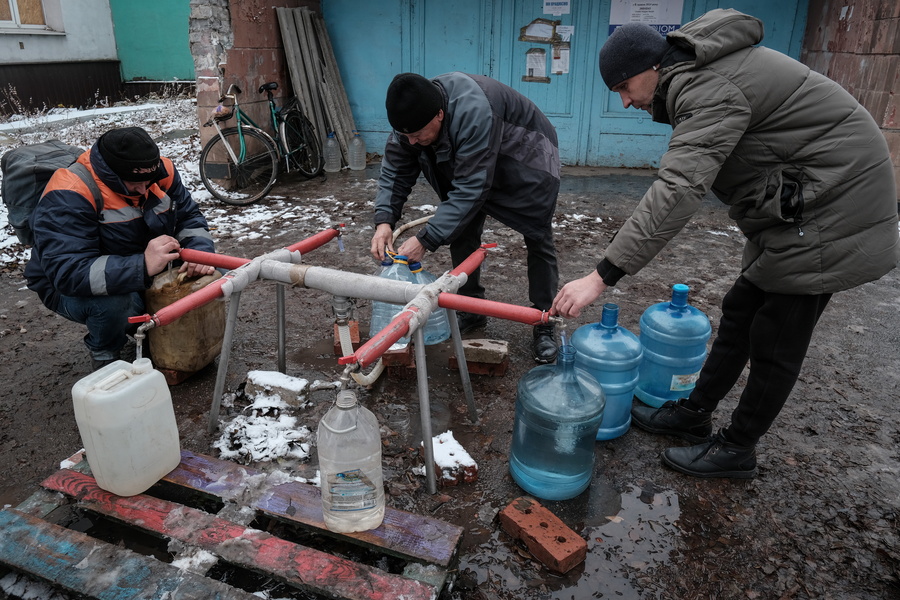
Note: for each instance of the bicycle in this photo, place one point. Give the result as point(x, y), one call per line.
point(240, 164)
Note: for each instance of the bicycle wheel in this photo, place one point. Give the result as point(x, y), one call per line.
point(246, 182)
point(303, 149)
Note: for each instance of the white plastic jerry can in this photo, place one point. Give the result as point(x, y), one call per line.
point(127, 424)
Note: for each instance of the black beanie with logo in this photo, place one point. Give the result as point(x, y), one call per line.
point(131, 154)
point(412, 102)
point(630, 49)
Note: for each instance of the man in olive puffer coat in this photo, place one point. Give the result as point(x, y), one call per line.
point(808, 178)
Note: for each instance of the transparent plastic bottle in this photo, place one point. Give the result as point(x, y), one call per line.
point(612, 354)
point(558, 412)
point(332, 154)
point(349, 445)
point(382, 312)
point(437, 329)
point(673, 336)
point(357, 152)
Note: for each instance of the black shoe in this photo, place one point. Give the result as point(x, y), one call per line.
point(99, 363)
point(674, 419)
point(543, 344)
point(470, 321)
point(714, 458)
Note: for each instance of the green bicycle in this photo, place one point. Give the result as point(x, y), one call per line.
point(240, 164)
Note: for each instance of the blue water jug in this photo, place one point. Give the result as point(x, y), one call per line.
point(437, 329)
point(612, 354)
point(383, 312)
point(673, 336)
point(558, 411)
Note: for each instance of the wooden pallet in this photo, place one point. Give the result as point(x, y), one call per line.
point(239, 503)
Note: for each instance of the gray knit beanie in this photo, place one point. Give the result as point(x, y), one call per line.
point(631, 49)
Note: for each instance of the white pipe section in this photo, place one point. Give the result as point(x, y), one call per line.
point(353, 285)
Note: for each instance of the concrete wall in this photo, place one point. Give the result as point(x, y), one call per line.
point(238, 41)
point(83, 31)
point(857, 44)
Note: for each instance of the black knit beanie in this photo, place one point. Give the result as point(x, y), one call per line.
point(631, 49)
point(131, 154)
point(412, 102)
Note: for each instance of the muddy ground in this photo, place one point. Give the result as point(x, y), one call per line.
point(819, 521)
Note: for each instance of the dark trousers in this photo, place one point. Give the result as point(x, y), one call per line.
point(543, 273)
point(772, 332)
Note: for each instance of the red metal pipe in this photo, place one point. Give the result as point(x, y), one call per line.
point(372, 350)
point(212, 259)
point(315, 241)
point(511, 312)
point(473, 261)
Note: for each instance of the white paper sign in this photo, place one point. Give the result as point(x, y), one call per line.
point(663, 15)
point(557, 7)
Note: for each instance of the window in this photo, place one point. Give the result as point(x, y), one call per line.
point(22, 13)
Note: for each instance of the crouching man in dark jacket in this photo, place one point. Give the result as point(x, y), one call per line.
point(91, 264)
point(486, 150)
point(807, 176)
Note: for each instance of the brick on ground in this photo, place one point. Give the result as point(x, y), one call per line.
point(547, 538)
point(484, 357)
point(452, 463)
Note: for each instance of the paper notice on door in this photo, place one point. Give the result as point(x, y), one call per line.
point(536, 66)
point(560, 62)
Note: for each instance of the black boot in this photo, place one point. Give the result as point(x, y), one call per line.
point(470, 321)
point(543, 344)
point(714, 458)
point(674, 419)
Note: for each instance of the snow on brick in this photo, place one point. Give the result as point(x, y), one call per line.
point(452, 462)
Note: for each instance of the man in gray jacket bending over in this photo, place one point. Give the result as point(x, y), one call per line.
point(808, 179)
point(486, 150)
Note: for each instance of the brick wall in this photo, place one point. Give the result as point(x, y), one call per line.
point(239, 41)
point(857, 44)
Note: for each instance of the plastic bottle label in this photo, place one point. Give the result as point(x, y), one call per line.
point(351, 490)
point(682, 383)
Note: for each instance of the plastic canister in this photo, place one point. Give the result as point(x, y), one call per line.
point(332, 152)
point(383, 312)
point(357, 152)
point(673, 336)
point(194, 340)
point(127, 424)
point(352, 482)
point(558, 412)
point(612, 354)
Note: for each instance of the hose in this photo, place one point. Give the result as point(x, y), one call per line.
point(406, 226)
point(347, 348)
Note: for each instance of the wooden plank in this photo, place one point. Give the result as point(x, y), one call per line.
point(403, 534)
point(83, 565)
point(301, 567)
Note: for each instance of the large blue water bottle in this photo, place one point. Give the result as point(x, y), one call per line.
point(673, 336)
point(558, 411)
point(612, 354)
point(437, 329)
point(383, 312)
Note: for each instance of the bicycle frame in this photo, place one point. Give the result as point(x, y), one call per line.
point(240, 118)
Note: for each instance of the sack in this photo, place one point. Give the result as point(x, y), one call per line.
point(26, 171)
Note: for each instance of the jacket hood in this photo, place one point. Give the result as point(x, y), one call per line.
point(718, 33)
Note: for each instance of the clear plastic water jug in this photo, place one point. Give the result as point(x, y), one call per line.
point(437, 329)
point(383, 312)
point(357, 152)
point(559, 409)
point(352, 483)
point(332, 154)
point(127, 424)
point(612, 354)
point(673, 336)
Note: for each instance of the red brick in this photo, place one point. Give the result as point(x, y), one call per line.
point(547, 538)
point(399, 358)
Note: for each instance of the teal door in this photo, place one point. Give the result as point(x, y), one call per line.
point(373, 41)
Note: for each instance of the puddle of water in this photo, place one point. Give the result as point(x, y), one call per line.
point(636, 535)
